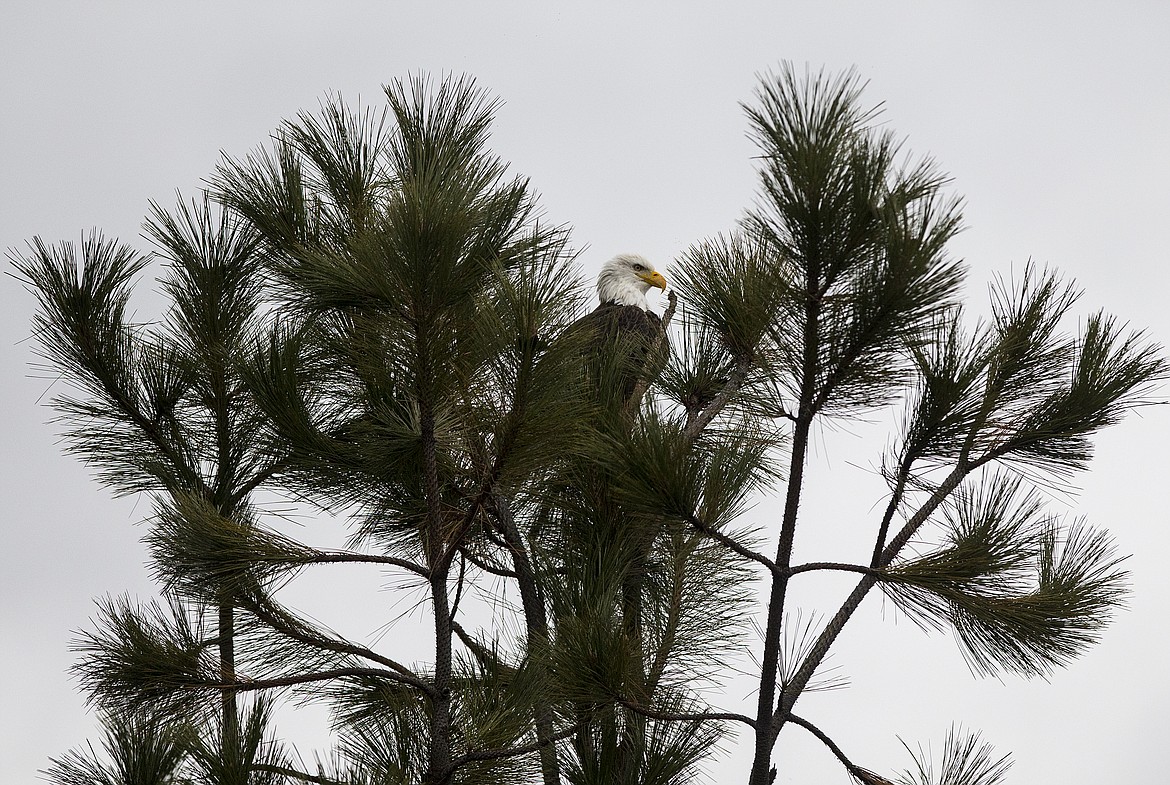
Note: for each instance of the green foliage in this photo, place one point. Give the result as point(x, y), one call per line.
point(157, 409)
point(425, 310)
point(376, 320)
point(664, 753)
point(383, 731)
point(123, 385)
point(659, 471)
point(82, 325)
point(146, 657)
point(198, 552)
point(947, 398)
point(965, 761)
point(137, 749)
point(255, 758)
point(1020, 391)
point(1023, 592)
point(140, 747)
point(494, 711)
point(212, 282)
point(733, 288)
point(857, 244)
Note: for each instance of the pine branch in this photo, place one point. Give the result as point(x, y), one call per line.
point(915, 522)
point(734, 546)
point(285, 624)
point(285, 771)
point(700, 420)
point(138, 747)
point(508, 752)
point(861, 775)
point(1022, 592)
point(251, 685)
point(685, 716)
point(829, 634)
point(837, 566)
point(348, 557)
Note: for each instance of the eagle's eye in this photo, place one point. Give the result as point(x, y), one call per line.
point(640, 268)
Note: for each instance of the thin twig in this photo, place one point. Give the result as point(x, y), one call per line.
point(701, 716)
point(862, 775)
point(302, 635)
point(703, 418)
point(341, 557)
point(892, 507)
point(825, 565)
point(459, 586)
point(731, 544)
point(249, 685)
point(824, 738)
point(643, 382)
point(300, 775)
point(507, 752)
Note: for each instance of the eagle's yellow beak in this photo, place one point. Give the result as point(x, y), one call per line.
point(654, 278)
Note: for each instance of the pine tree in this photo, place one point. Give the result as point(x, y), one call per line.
point(412, 378)
point(375, 320)
point(835, 299)
point(159, 410)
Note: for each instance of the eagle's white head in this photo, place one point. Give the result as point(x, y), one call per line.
point(626, 278)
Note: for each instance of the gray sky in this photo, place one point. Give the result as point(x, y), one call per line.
point(1052, 118)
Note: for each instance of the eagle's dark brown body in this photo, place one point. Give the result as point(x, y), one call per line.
point(624, 344)
point(627, 321)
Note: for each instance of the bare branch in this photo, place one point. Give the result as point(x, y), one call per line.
point(825, 565)
point(700, 420)
point(342, 557)
point(250, 685)
point(862, 775)
point(285, 771)
point(307, 636)
point(508, 752)
point(824, 739)
point(734, 546)
point(701, 716)
point(503, 572)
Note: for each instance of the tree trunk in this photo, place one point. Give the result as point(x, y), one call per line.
point(229, 710)
point(536, 623)
point(439, 755)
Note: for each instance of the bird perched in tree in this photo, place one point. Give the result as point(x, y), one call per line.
point(624, 335)
point(626, 347)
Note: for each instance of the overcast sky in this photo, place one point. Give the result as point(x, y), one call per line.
point(1052, 118)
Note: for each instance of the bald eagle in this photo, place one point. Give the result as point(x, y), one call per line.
point(624, 336)
point(626, 345)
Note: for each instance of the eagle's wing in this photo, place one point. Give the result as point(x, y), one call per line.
point(623, 345)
